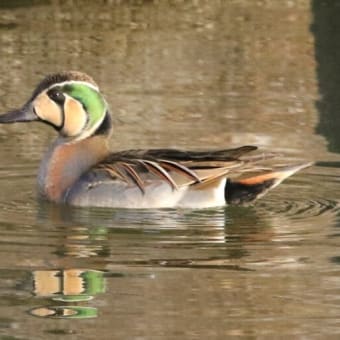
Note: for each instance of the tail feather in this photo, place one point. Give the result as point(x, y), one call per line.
point(248, 189)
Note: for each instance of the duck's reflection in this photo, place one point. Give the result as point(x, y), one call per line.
point(65, 312)
point(85, 242)
point(67, 285)
point(70, 288)
point(94, 245)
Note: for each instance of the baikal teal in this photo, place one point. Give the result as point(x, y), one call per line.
point(79, 168)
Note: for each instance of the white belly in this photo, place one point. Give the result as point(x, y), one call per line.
point(158, 194)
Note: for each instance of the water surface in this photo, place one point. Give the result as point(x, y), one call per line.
point(186, 74)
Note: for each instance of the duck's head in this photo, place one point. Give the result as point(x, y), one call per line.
point(68, 101)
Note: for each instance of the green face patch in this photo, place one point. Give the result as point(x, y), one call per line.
point(92, 101)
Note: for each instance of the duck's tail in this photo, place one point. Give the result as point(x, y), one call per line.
point(248, 189)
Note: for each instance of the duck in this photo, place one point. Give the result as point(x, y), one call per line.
point(79, 169)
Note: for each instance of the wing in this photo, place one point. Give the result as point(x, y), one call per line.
point(176, 167)
point(184, 156)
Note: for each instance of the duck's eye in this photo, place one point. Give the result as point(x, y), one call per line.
point(57, 96)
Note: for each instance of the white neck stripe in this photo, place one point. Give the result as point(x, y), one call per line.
point(74, 82)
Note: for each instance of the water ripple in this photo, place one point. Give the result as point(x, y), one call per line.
point(301, 209)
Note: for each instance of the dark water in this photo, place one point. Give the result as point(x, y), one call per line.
point(188, 74)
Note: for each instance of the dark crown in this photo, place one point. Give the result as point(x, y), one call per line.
point(60, 78)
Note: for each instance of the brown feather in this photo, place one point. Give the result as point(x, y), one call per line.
point(113, 171)
point(134, 176)
point(181, 169)
point(197, 165)
point(159, 171)
point(211, 174)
